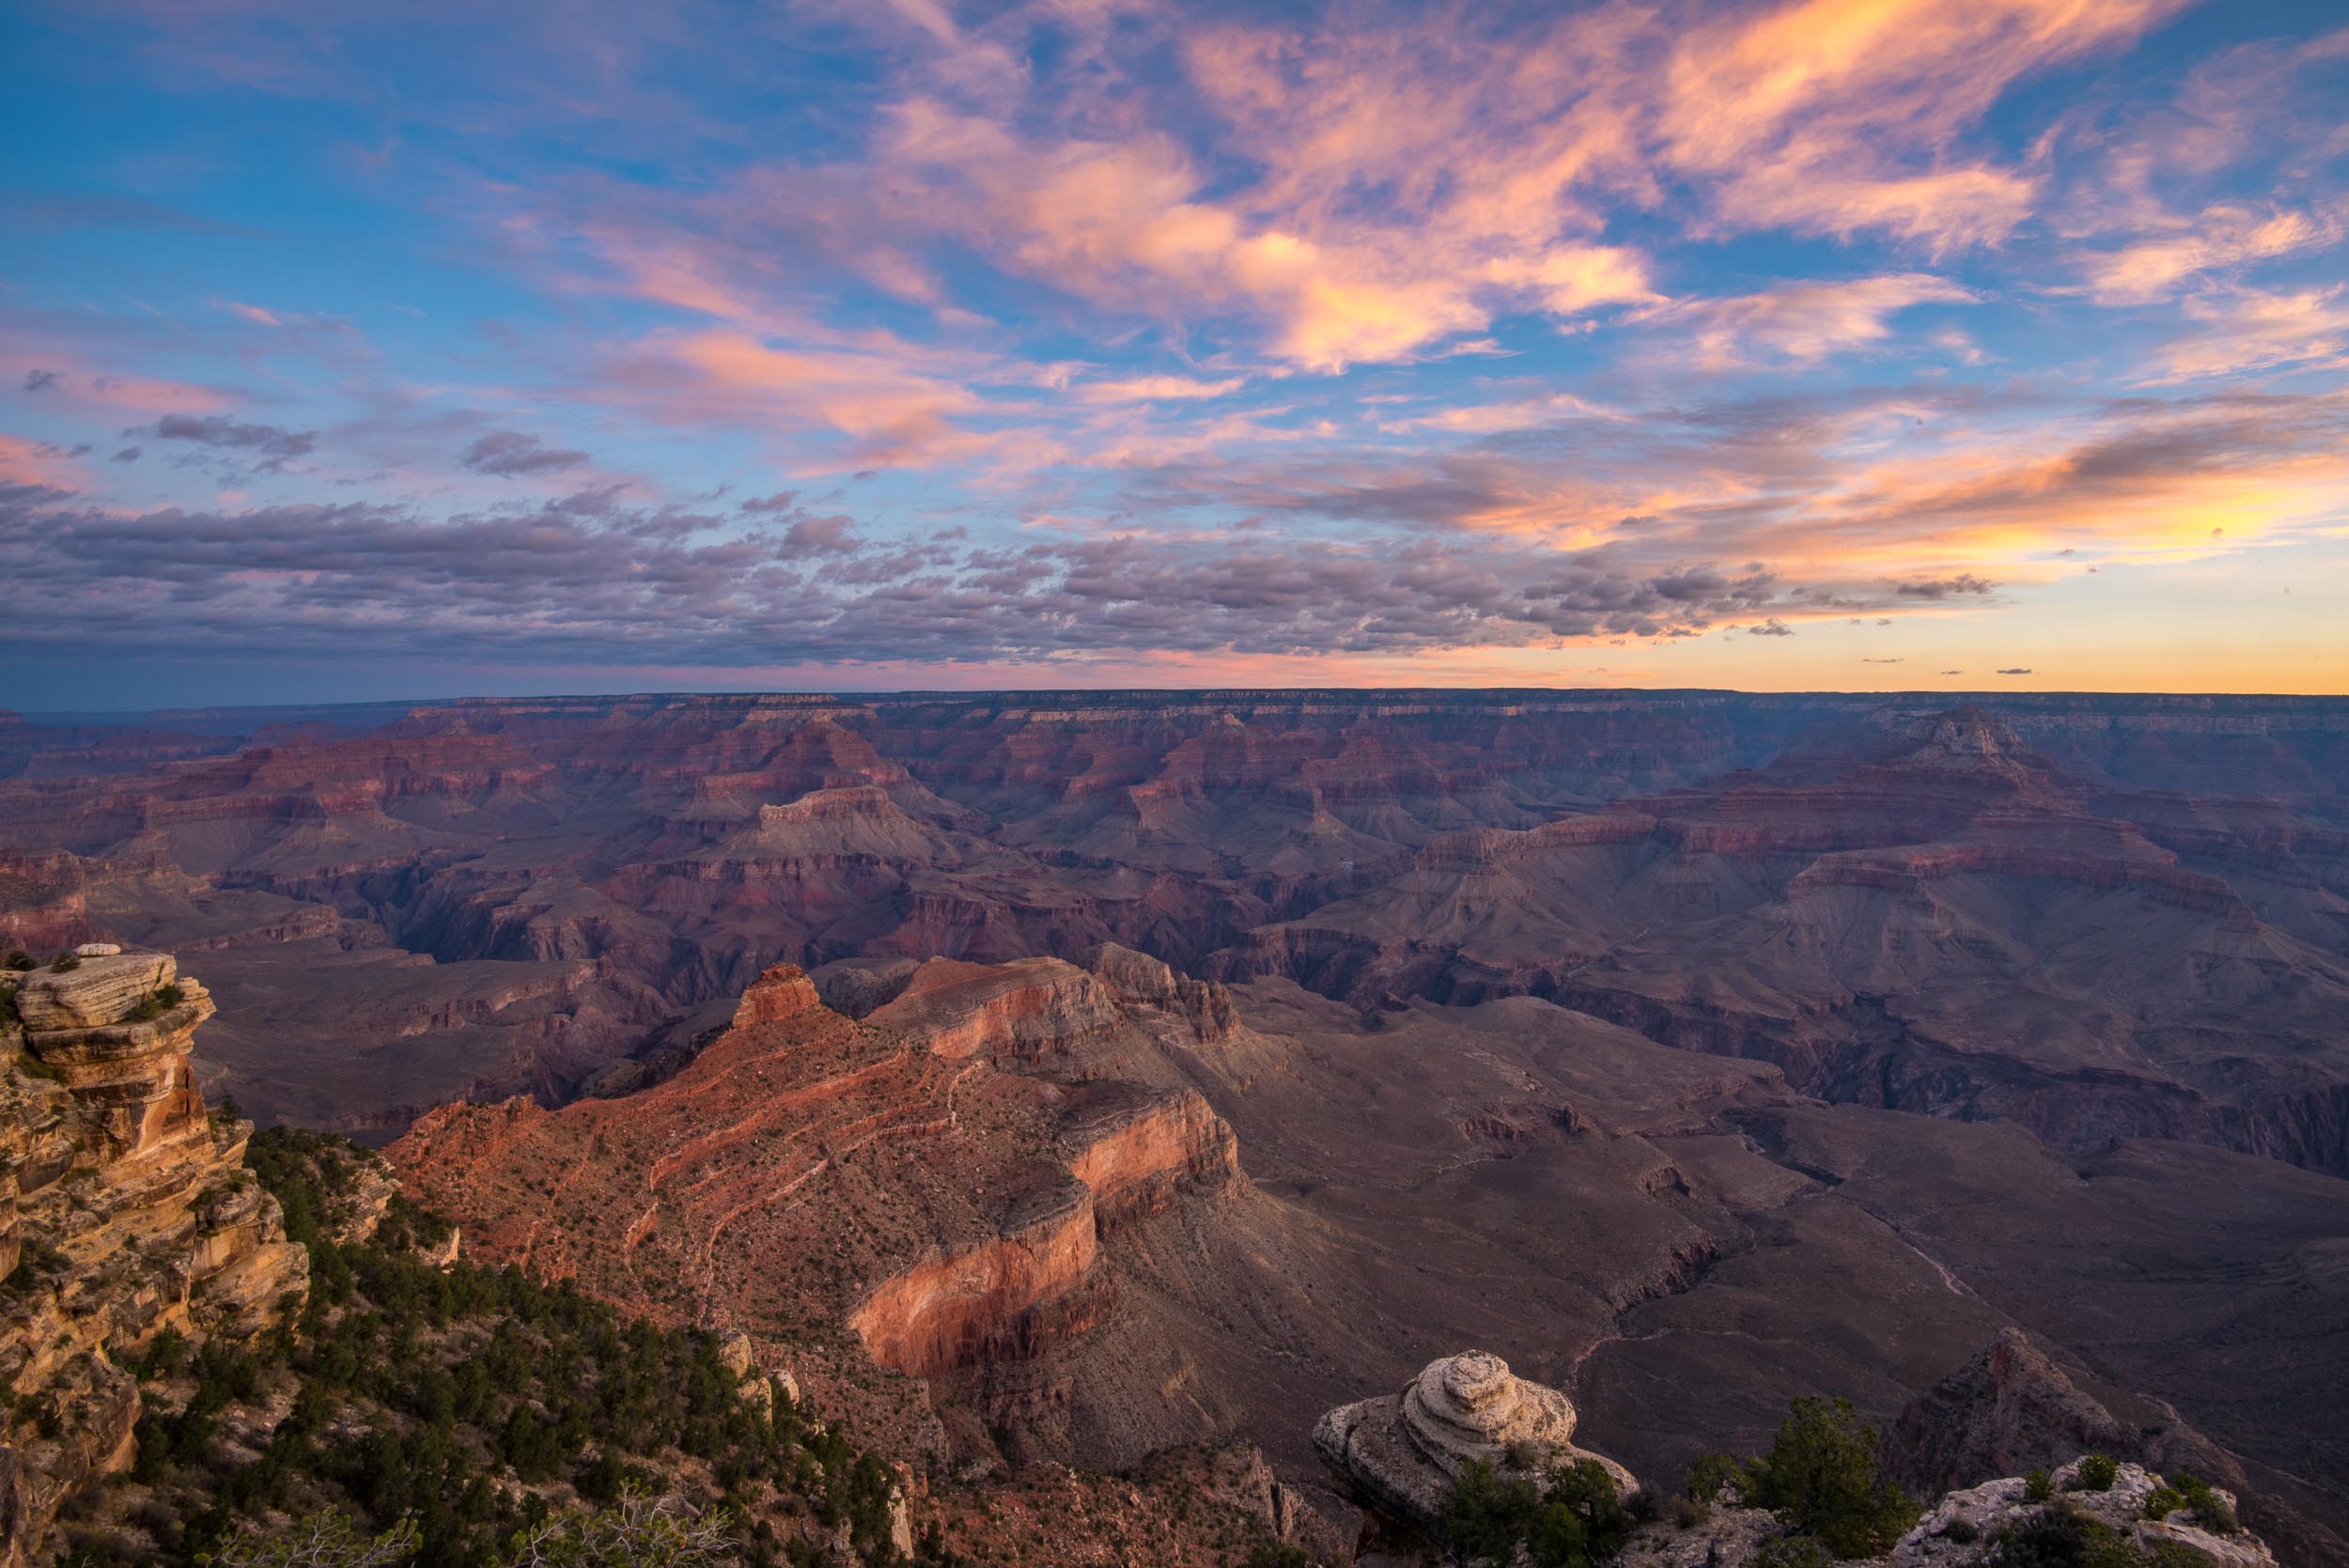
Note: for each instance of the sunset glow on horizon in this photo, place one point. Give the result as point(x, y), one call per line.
point(566, 345)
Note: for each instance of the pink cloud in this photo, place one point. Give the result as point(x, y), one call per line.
point(1804, 321)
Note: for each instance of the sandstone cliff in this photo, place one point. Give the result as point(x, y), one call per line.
point(125, 1210)
point(936, 1190)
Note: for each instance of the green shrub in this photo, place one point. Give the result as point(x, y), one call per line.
point(163, 1358)
point(154, 1006)
point(1964, 1531)
point(2098, 1472)
point(2063, 1537)
point(2038, 1486)
point(1790, 1551)
point(1571, 1520)
point(1487, 1515)
point(2210, 1509)
point(1821, 1476)
point(33, 1066)
point(2162, 1501)
point(1713, 1471)
point(1264, 1555)
point(64, 963)
point(19, 959)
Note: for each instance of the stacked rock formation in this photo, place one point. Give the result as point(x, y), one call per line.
point(1398, 1455)
point(125, 1209)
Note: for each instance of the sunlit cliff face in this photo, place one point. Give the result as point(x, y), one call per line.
point(1845, 343)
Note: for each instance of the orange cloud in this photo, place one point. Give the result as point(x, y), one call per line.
point(894, 415)
point(2225, 234)
point(2246, 329)
point(1150, 389)
point(1838, 115)
point(1805, 321)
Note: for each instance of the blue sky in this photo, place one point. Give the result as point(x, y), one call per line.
point(1858, 344)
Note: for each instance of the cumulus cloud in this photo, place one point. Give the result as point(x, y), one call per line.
point(827, 535)
point(508, 453)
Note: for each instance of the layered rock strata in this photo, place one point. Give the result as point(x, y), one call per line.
point(1398, 1455)
point(938, 1184)
point(125, 1210)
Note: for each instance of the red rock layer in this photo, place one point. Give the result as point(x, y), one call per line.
point(934, 1181)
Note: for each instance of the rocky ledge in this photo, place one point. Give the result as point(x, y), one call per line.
point(1399, 1457)
point(126, 1210)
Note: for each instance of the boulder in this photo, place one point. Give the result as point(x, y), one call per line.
point(1398, 1455)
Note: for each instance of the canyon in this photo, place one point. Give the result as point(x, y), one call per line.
point(1063, 1077)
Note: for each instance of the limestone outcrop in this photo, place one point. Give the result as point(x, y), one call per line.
point(1959, 1530)
point(1398, 1455)
point(125, 1210)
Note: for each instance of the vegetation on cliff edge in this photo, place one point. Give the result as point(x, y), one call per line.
point(456, 1416)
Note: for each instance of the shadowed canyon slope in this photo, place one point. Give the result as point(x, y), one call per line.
point(1691, 1050)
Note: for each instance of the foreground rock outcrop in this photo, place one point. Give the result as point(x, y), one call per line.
point(1403, 1459)
point(125, 1211)
point(1400, 1454)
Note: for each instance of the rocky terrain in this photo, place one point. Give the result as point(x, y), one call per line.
point(1147, 1069)
point(129, 1215)
point(1414, 1460)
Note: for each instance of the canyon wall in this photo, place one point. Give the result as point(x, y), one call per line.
point(125, 1211)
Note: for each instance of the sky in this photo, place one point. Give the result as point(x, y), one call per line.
point(364, 351)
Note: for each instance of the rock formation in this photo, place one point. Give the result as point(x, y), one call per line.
point(128, 1211)
point(2009, 1410)
point(1399, 1454)
point(940, 1189)
point(1960, 1529)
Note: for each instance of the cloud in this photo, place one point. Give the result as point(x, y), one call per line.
point(827, 535)
point(1518, 414)
point(41, 380)
point(2019, 671)
point(1138, 389)
point(508, 453)
point(588, 578)
point(890, 411)
point(1836, 116)
point(2246, 329)
point(1805, 321)
point(2223, 235)
point(1948, 587)
point(1772, 628)
point(219, 430)
point(1883, 661)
